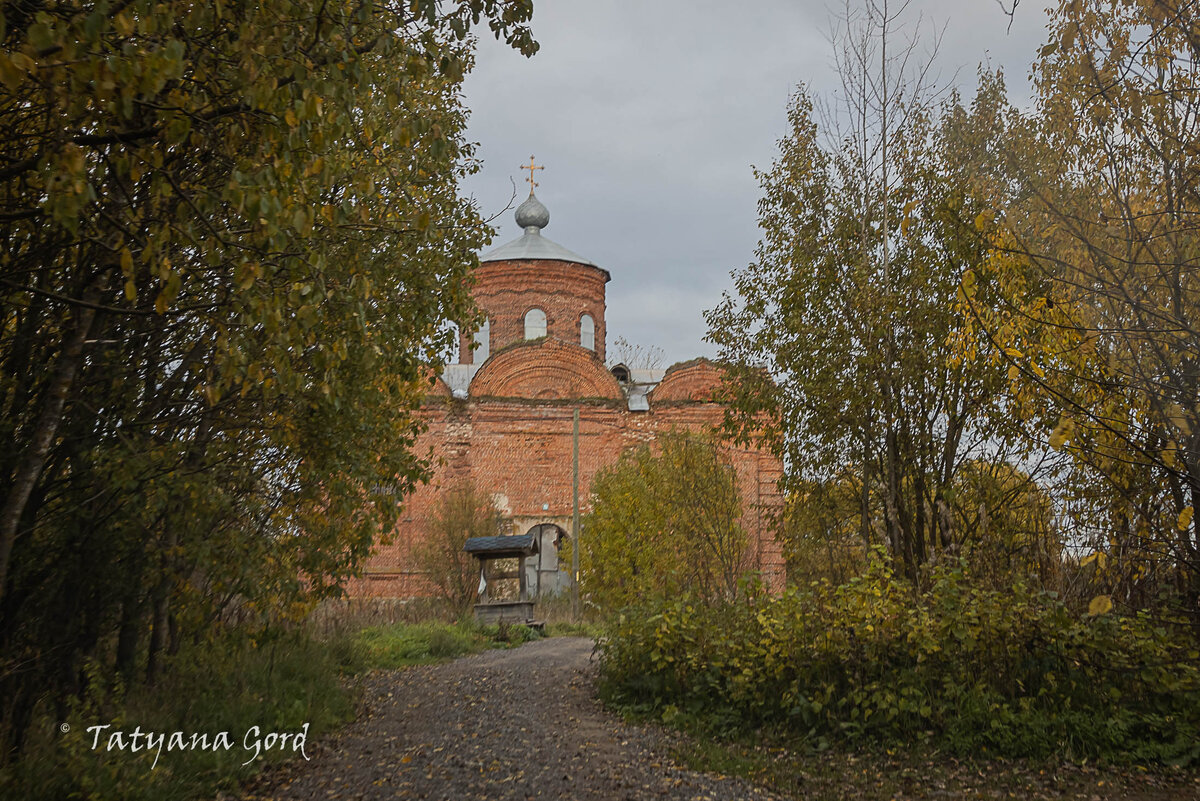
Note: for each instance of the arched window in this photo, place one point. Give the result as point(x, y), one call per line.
point(535, 324)
point(483, 342)
point(587, 332)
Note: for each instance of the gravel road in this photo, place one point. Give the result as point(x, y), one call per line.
point(513, 724)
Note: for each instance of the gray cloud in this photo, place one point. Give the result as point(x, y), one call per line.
point(648, 117)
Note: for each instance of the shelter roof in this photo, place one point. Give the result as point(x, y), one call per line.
point(501, 547)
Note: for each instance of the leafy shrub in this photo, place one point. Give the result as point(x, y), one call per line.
point(664, 522)
point(1012, 673)
point(509, 634)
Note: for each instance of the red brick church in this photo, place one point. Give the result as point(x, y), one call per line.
point(503, 414)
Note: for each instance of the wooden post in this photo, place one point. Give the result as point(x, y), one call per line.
point(575, 518)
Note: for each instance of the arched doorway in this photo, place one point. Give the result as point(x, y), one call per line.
point(545, 575)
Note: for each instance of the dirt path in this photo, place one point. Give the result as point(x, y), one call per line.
point(498, 725)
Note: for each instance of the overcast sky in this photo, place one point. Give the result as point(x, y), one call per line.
point(649, 116)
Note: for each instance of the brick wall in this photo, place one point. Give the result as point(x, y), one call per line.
point(520, 451)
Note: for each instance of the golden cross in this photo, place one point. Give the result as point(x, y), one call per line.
point(530, 166)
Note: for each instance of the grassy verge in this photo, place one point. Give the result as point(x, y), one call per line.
point(400, 645)
point(898, 774)
point(282, 683)
point(566, 629)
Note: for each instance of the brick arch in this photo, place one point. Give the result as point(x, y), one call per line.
point(544, 369)
point(695, 381)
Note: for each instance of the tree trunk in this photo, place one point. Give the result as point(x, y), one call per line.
point(865, 500)
point(161, 607)
point(130, 632)
point(29, 468)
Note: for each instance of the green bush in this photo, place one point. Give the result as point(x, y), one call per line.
point(1012, 673)
point(511, 634)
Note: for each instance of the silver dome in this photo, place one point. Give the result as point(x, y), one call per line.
point(533, 214)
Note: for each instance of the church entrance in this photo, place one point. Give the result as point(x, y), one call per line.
point(542, 573)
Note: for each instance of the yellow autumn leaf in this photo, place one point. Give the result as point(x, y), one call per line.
point(968, 284)
point(1179, 419)
point(1170, 456)
point(22, 62)
point(1100, 604)
point(1185, 518)
point(1062, 432)
point(124, 25)
point(10, 76)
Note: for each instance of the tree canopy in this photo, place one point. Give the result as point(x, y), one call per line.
point(958, 309)
point(232, 239)
point(844, 330)
point(1092, 292)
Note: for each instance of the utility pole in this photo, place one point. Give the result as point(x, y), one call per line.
point(575, 518)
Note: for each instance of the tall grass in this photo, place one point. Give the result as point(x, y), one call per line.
point(278, 682)
point(402, 645)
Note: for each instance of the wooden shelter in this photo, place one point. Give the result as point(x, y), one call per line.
point(489, 550)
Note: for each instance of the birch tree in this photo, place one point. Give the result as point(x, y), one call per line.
point(1095, 289)
point(844, 328)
